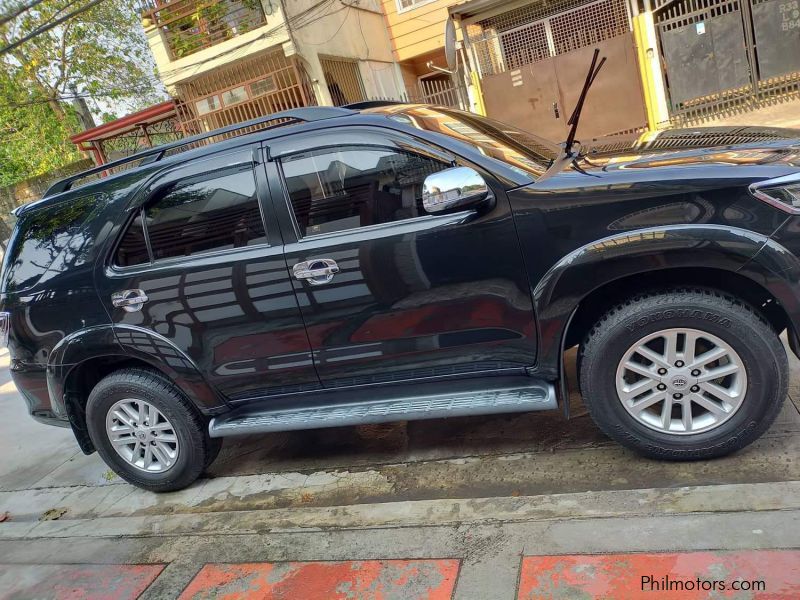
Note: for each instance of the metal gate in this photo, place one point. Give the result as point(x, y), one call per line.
point(721, 55)
point(533, 61)
point(343, 80)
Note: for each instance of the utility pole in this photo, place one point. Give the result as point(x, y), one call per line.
point(82, 108)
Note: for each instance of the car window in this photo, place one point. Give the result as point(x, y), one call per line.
point(49, 240)
point(196, 215)
point(335, 189)
point(132, 250)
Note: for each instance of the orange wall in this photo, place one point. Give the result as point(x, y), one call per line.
point(419, 30)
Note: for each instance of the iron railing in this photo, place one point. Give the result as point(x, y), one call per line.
point(259, 85)
point(189, 26)
point(343, 80)
point(538, 31)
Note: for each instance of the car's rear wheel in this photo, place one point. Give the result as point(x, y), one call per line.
point(147, 432)
point(683, 374)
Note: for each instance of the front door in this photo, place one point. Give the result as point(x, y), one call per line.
point(219, 301)
point(396, 294)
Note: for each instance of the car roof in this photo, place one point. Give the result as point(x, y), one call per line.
point(157, 153)
point(263, 128)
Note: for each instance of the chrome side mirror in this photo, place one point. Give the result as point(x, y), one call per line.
point(456, 189)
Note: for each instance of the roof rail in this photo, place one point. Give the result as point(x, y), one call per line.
point(304, 114)
point(371, 104)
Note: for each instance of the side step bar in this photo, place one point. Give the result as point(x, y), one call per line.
point(483, 396)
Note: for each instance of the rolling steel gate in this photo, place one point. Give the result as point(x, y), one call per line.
point(533, 60)
point(722, 55)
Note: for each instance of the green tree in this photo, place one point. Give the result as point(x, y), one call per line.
point(100, 55)
point(33, 138)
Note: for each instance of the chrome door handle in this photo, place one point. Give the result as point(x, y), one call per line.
point(316, 271)
point(129, 300)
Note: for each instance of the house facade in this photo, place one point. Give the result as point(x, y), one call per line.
point(417, 32)
point(669, 62)
point(231, 61)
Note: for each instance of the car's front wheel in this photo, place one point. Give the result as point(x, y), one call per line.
point(683, 374)
point(147, 432)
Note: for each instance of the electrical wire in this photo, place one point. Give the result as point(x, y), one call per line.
point(309, 16)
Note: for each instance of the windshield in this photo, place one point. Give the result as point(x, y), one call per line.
point(519, 149)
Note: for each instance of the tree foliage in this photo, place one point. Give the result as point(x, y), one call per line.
point(100, 55)
point(33, 139)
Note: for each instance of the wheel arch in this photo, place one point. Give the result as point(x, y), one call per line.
point(83, 359)
point(78, 383)
point(590, 280)
point(602, 299)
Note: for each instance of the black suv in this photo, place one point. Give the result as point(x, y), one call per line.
point(339, 266)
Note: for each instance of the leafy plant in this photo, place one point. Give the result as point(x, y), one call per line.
point(101, 55)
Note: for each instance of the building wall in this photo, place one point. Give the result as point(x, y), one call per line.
point(273, 32)
point(417, 30)
point(414, 68)
point(346, 31)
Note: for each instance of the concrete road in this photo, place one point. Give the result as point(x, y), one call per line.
point(476, 507)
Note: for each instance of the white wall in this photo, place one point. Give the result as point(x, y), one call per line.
point(352, 29)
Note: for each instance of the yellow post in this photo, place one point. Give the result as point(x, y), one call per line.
point(650, 71)
point(477, 94)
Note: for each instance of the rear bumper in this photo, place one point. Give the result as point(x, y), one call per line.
point(31, 383)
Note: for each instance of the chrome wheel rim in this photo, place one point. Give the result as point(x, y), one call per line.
point(681, 381)
point(142, 435)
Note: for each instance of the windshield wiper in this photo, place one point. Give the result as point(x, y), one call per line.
point(568, 153)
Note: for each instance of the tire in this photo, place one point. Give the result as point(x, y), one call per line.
point(178, 420)
point(759, 384)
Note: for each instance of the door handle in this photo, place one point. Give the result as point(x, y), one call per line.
point(316, 271)
point(129, 300)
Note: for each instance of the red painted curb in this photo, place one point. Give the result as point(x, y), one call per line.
point(365, 580)
point(761, 574)
point(76, 582)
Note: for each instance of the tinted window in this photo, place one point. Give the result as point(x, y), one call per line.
point(132, 250)
point(200, 215)
point(343, 188)
point(52, 238)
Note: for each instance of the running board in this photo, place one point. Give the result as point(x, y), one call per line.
point(489, 395)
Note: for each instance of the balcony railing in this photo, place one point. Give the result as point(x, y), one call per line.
point(189, 26)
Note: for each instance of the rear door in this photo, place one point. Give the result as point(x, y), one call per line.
point(403, 295)
point(201, 244)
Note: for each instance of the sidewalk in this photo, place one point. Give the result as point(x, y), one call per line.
point(521, 506)
point(525, 547)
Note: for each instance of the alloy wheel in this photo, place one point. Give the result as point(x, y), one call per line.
point(681, 381)
point(142, 435)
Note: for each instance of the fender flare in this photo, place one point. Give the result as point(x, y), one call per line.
point(559, 293)
point(126, 342)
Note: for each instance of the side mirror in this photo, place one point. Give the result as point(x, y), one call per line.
point(453, 190)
